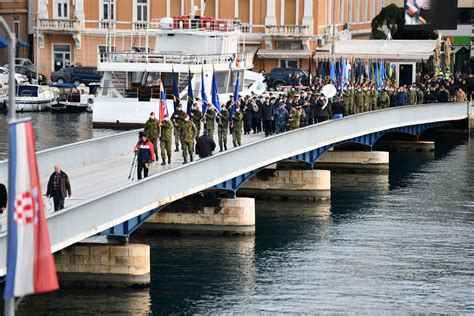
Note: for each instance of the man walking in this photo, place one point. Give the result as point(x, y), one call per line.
point(281, 118)
point(178, 119)
point(58, 187)
point(188, 135)
point(152, 129)
point(205, 145)
point(145, 155)
point(209, 118)
point(237, 124)
point(166, 130)
point(196, 116)
point(223, 127)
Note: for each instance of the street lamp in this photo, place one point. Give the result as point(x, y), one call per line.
point(11, 73)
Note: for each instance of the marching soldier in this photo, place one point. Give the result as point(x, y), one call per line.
point(188, 134)
point(412, 96)
point(359, 101)
point(223, 126)
point(152, 129)
point(375, 96)
point(420, 96)
point(237, 124)
point(347, 98)
point(210, 117)
point(384, 99)
point(294, 120)
point(367, 100)
point(166, 139)
point(178, 119)
point(196, 116)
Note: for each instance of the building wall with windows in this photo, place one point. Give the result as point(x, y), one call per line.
point(15, 14)
point(75, 31)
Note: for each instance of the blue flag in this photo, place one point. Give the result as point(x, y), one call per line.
point(190, 93)
point(333, 72)
point(236, 96)
point(203, 94)
point(215, 93)
point(175, 92)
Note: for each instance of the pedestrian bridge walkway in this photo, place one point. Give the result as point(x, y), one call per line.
point(106, 201)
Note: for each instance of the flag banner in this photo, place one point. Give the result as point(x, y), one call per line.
point(190, 98)
point(175, 92)
point(163, 105)
point(236, 96)
point(215, 93)
point(203, 94)
point(30, 263)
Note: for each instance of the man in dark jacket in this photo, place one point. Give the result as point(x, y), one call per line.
point(267, 116)
point(58, 187)
point(205, 145)
point(3, 198)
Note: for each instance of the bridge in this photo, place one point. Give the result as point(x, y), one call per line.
point(106, 202)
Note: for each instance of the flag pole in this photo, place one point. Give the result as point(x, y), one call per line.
point(10, 302)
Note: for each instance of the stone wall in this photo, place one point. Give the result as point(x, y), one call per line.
point(104, 265)
point(354, 157)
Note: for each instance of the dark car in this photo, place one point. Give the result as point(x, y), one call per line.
point(31, 74)
point(279, 77)
point(76, 75)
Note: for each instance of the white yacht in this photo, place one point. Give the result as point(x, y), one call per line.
point(130, 87)
point(33, 98)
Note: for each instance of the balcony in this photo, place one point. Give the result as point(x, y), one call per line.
point(288, 30)
point(57, 25)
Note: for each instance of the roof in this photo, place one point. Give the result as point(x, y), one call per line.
point(413, 50)
point(63, 85)
point(284, 53)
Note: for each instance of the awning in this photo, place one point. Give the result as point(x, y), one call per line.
point(22, 43)
point(407, 50)
point(3, 42)
point(284, 53)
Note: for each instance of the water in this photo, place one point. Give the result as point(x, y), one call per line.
point(394, 243)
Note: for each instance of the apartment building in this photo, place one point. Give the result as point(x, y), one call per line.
point(16, 14)
point(280, 32)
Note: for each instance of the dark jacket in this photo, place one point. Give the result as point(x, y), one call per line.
point(205, 145)
point(337, 108)
point(3, 196)
point(267, 111)
point(145, 151)
point(65, 185)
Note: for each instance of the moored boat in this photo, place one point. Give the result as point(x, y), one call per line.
point(33, 98)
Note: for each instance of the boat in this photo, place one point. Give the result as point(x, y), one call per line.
point(33, 98)
point(185, 46)
point(71, 99)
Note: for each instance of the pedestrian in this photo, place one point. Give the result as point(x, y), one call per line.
point(294, 119)
point(384, 99)
point(337, 109)
point(209, 118)
point(196, 116)
point(460, 95)
point(223, 126)
point(245, 107)
point(178, 119)
point(237, 123)
point(205, 145)
point(267, 116)
point(187, 137)
point(152, 129)
point(166, 132)
point(145, 155)
point(58, 188)
point(281, 118)
point(3, 198)
point(443, 95)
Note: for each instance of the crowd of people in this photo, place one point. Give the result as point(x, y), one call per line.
point(278, 112)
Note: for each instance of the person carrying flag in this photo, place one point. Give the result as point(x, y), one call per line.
point(145, 152)
point(58, 187)
point(152, 129)
point(178, 119)
point(166, 133)
point(237, 124)
point(222, 127)
point(188, 135)
point(210, 117)
point(196, 116)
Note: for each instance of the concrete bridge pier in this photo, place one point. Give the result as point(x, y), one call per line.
point(352, 161)
point(204, 215)
point(405, 146)
point(290, 184)
point(104, 265)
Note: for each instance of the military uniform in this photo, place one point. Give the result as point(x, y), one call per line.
point(196, 116)
point(178, 119)
point(359, 102)
point(294, 120)
point(166, 140)
point(210, 117)
point(237, 124)
point(188, 134)
point(347, 98)
point(420, 96)
point(223, 128)
point(384, 100)
point(412, 97)
point(281, 118)
point(152, 130)
point(375, 96)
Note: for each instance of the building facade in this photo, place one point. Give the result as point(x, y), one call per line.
point(280, 32)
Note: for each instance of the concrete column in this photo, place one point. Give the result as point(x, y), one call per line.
point(354, 161)
point(205, 216)
point(289, 184)
point(308, 13)
point(104, 265)
point(404, 146)
point(270, 19)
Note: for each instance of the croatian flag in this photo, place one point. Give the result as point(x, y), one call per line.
point(30, 263)
point(163, 105)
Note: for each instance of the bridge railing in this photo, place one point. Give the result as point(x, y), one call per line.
point(98, 214)
point(80, 154)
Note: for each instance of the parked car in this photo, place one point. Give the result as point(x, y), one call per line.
point(24, 62)
point(19, 78)
point(76, 75)
point(280, 76)
point(31, 74)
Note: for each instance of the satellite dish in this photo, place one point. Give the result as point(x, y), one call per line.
point(329, 91)
point(258, 88)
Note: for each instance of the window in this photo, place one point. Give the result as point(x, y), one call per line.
point(61, 9)
point(289, 46)
point(103, 52)
point(108, 7)
point(16, 27)
point(61, 56)
point(289, 63)
point(142, 11)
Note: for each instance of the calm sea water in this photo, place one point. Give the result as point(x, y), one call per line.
point(395, 243)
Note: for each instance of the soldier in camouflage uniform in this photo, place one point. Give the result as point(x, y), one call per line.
point(196, 116)
point(237, 124)
point(348, 98)
point(178, 119)
point(222, 127)
point(384, 99)
point(375, 97)
point(367, 100)
point(152, 130)
point(166, 132)
point(281, 118)
point(412, 96)
point(209, 118)
point(359, 101)
point(294, 120)
point(188, 134)
point(420, 96)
